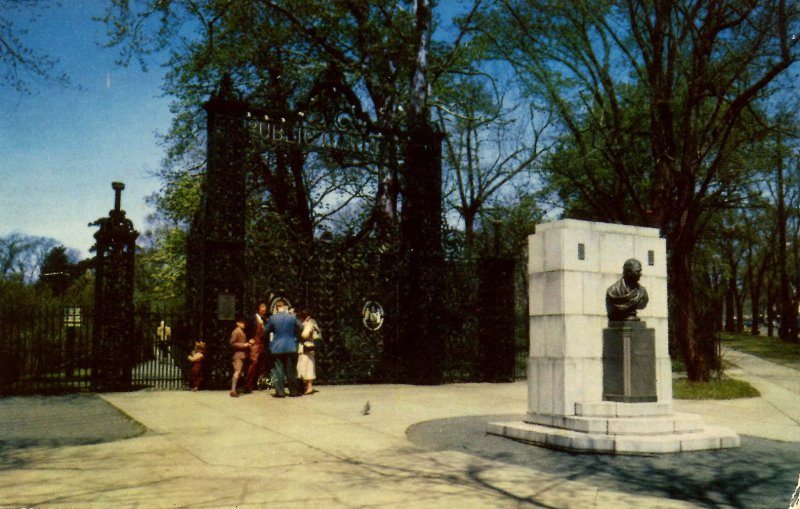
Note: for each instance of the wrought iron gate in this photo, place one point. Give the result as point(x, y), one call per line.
point(51, 349)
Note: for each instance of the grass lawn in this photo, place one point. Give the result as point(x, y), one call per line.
point(768, 348)
point(727, 388)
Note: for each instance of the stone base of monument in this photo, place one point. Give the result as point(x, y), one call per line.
point(619, 428)
point(597, 385)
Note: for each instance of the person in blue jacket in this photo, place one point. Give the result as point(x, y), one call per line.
point(286, 328)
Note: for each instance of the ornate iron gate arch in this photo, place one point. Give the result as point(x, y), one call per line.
point(428, 334)
point(220, 249)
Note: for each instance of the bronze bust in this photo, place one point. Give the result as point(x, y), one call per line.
point(625, 297)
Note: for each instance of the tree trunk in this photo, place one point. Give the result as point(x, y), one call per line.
point(755, 309)
point(757, 272)
point(730, 306)
point(740, 313)
point(469, 232)
point(787, 330)
point(682, 309)
point(771, 314)
point(300, 206)
point(419, 80)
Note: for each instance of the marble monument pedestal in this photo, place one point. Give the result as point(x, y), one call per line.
point(619, 428)
point(590, 389)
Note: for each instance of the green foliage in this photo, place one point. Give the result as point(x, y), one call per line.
point(15, 294)
point(81, 291)
point(317, 58)
point(68, 280)
point(161, 268)
point(504, 229)
point(179, 198)
point(584, 176)
point(57, 271)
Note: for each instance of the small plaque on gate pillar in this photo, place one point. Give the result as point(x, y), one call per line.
point(226, 306)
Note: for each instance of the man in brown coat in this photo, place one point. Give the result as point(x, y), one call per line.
point(256, 349)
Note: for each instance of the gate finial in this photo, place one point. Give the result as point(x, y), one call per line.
point(117, 187)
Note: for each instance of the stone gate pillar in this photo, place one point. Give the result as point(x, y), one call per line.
point(216, 259)
point(496, 319)
point(115, 248)
point(421, 306)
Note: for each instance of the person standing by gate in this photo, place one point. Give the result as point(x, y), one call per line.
point(305, 360)
point(283, 347)
point(240, 347)
point(163, 337)
point(256, 341)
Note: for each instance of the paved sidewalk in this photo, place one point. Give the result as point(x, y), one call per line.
point(778, 385)
point(416, 447)
point(774, 415)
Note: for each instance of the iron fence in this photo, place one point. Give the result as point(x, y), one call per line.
point(45, 349)
point(50, 349)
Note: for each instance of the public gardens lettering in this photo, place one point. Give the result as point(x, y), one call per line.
point(279, 131)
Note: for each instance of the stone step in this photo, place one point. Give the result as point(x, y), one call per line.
point(657, 425)
point(615, 409)
point(707, 439)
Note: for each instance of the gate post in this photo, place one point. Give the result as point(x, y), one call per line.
point(217, 247)
point(496, 319)
point(112, 355)
point(422, 309)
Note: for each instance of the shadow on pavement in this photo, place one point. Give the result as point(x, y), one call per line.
point(760, 474)
point(58, 421)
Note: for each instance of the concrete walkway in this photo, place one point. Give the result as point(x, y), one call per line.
point(774, 415)
point(416, 447)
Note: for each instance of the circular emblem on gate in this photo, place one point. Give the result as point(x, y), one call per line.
point(372, 315)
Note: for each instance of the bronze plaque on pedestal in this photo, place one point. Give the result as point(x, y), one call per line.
point(629, 362)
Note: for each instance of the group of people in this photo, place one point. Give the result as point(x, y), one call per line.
point(282, 343)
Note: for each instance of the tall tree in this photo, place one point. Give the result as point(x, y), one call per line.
point(309, 59)
point(488, 146)
point(785, 199)
point(23, 255)
point(695, 72)
point(58, 270)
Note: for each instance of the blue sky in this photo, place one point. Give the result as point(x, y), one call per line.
point(61, 147)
